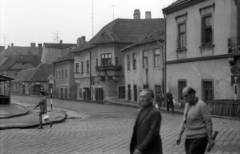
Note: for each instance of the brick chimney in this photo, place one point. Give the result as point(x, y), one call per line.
point(81, 41)
point(33, 45)
point(60, 42)
point(136, 14)
point(12, 44)
point(147, 15)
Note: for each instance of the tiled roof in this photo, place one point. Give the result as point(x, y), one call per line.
point(125, 31)
point(42, 72)
point(59, 46)
point(38, 74)
point(79, 47)
point(9, 61)
point(68, 57)
point(158, 35)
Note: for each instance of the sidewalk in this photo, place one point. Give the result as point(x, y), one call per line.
point(19, 116)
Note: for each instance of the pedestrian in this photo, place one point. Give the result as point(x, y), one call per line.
point(146, 138)
point(43, 108)
point(160, 100)
point(197, 124)
point(170, 101)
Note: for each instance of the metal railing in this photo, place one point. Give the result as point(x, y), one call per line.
point(229, 108)
point(234, 45)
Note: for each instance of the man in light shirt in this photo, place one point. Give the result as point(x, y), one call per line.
point(197, 124)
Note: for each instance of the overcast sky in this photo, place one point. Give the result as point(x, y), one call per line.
point(39, 21)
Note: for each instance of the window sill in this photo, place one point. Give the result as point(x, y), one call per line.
point(206, 46)
point(179, 50)
point(157, 68)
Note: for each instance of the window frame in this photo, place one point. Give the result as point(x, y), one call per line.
point(203, 89)
point(203, 30)
point(181, 47)
point(88, 66)
point(145, 57)
point(180, 97)
point(106, 59)
point(134, 57)
point(77, 67)
point(155, 56)
point(82, 69)
point(128, 63)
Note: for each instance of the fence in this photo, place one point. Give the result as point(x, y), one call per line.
point(230, 108)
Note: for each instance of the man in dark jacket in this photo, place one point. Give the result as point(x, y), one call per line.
point(170, 101)
point(146, 138)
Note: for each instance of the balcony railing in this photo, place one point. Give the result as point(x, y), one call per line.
point(234, 45)
point(109, 67)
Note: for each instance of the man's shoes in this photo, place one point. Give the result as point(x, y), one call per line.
point(50, 124)
point(40, 127)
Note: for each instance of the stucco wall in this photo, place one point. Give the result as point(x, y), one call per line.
point(140, 76)
point(50, 55)
point(224, 27)
point(195, 72)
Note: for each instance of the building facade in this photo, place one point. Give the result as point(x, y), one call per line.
point(199, 34)
point(99, 65)
point(143, 66)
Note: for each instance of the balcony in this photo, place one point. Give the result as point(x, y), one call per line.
point(109, 67)
point(234, 45)
point(109, 70)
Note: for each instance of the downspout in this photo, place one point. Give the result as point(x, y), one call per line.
point(90, 74)
point(161, 46)
point(165, 60)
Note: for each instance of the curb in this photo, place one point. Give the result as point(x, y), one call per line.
point(35, 125)
point(16, 115)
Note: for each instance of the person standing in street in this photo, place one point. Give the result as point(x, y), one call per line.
point(170, 101)
point(159, 100)
point(43, 108)
point(197, 124)
point(146, 138)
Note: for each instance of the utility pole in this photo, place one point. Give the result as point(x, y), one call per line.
point(92, 21)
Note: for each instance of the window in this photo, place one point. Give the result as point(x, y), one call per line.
point(145, 86)
point(157, 58)
point(121, 92)
point(157, 89)
point(145, 59)
point(128, 62)
point(59, 72)
point(65, 73)
point(207, 32)
point(135, 92)
point(207, 90)
point(56, 75)
point(182, 36)
point(106, 59)
point(181, 84)
point(62, 74)
point(82, 67)
point(129, 92)
point(116, 61)
point(96, 61)
point(134, 61)
point(65, 93)
point(77, 67)
point(88, 66)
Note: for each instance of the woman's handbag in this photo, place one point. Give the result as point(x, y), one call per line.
point(45, 117)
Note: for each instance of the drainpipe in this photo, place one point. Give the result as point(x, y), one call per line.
point(165, 59)
point(163, 62)
point(90, 74)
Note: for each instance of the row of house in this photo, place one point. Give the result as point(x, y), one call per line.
point(195, 44)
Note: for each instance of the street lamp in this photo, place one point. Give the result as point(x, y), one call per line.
point(231, 59)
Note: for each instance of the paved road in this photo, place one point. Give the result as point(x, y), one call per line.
point(104, 129)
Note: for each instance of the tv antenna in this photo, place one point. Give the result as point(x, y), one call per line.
point(113, 10)
point(92, 21)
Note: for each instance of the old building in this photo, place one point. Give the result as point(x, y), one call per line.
point(64, 84)
point(143, 65)
point(53, 51)
point(32, 81)
point(12, 50)
point(10, 66)
point(201, 37)
point(99, 65)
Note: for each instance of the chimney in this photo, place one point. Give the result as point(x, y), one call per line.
point(136, 14)
point(33, 45)
point(60, 42)
point(148, 15)
point(81, 41)
point(12, 44)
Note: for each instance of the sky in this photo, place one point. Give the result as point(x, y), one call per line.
point(48, 21)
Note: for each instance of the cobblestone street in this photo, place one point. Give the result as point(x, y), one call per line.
point(108, 134)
